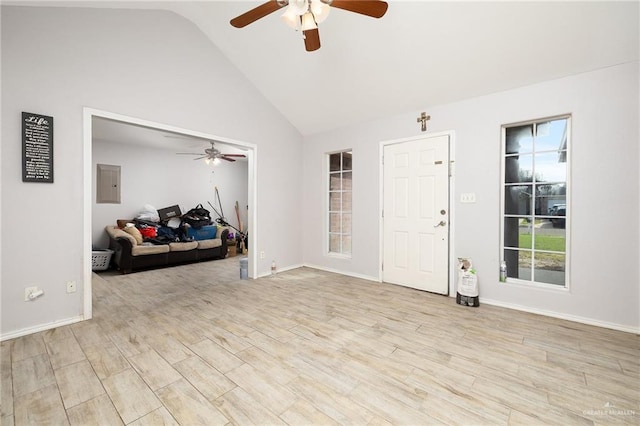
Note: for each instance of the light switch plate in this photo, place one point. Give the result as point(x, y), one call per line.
point(468, 197)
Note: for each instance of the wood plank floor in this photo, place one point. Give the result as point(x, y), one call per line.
point(194, 345)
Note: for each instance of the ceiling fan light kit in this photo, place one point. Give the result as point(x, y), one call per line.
point(308, 23)
point(291, 19)
point(305, 15)
point(320, 10)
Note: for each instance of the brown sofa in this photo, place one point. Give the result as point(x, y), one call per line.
point(130, 256)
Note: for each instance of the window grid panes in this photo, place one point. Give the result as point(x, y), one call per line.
point(340, 197)
point(534, 203)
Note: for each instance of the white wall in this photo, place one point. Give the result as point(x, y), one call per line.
point(161, 178)
point(55, 61)
point(605, 196)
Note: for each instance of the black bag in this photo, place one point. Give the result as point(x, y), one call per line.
point(197, 217)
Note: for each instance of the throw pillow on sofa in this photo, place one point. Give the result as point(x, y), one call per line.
point(134, 232)
point(123, 222)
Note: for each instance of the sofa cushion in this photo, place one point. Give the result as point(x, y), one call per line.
point(209, 244)
point(186, 246)
point(149, 249)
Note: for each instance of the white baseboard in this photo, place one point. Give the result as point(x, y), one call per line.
point(559, 315)
point(349, 274)
point(39, 328)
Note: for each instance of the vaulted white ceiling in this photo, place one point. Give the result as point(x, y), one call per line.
point(420, 54)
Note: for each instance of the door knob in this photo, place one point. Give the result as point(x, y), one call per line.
point(441, 223)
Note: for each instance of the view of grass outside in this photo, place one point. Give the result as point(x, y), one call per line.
point(546, 261)
point(544, 242)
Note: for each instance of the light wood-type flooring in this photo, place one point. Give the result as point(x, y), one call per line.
point(194, 345)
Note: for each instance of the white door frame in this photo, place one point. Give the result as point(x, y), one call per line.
point(452, 222)
point(88, 114)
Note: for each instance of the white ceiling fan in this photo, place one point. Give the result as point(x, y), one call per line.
point(213, 154)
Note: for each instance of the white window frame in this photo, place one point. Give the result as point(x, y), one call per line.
point(328, 210)
point(567, 267)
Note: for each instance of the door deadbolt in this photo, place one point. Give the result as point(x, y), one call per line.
point(443, 212)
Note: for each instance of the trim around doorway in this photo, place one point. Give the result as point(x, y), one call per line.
point(452, 222)
point(88, 114)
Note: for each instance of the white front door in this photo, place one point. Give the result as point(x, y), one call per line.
point(416, 214)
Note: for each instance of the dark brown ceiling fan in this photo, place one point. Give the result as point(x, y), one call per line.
point(212, 154)
point(305, 15)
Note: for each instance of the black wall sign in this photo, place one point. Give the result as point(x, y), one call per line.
point(37, 148)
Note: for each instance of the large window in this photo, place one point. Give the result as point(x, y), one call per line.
point(340, 174)
point(535, 188)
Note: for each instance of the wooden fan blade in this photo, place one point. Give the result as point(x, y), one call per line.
point(234, 155)
point(224, 157)
point(255, 14)
point(373, 8)
point(311, 40)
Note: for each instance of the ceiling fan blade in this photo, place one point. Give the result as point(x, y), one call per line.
point(224, 157)
point(373, 8)
point(256, 13)
point(233, 155)
point(311, 40)
point(200, 158)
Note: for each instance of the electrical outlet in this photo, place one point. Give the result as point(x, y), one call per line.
point(71, 286)
point(28, 291)
point(262, 255)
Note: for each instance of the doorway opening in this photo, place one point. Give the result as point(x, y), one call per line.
point(171, 135)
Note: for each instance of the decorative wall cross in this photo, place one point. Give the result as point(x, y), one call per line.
point(423, 120)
